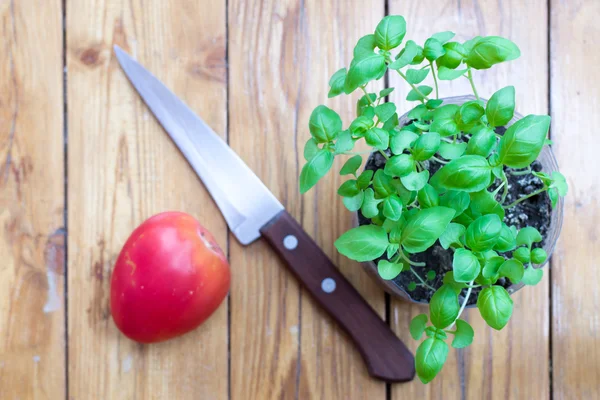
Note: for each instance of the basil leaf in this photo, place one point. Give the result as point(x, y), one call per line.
point(348, 188)
point(364, 47)
point(468, 45)
point(523, 141)
point(363, 243)
point(428, 197)
point(465, 266)
point(406, 56)
point(513, 270)
point(315, 169)
point(492, 267)
point(351, 165)
point(336, 83)
point(369, 207)
point(452, 235)
point(483, 233)
point(430, 358)
point(392, 208)
point(482, 142)
point(449, 281)
point(418, 112)
point(423, 229)
point(522, 254)
point(464, 334)
point(532, 276)
point(416, 76)
point(344, 142)
point(483, 202)
point(506, 240)
point(424, 91)
point(355, 202)
point(392, 249)
point(385, 92)
point(455, 53)
point(433, 49)
point(324, 124)
point(360, 125)
point(417, 326)
point(495, 306)
point(364, 179)
point(491, 50)
point(311, 148)
point(382, 183)
point(388, 270)
point(434, 103)
point(415, 181)
point(470, 112)
point(385, 111)
point(426, 146)
point(363, 106)
point(443, 37)
point(468, 173)
point(369, 67)
point(560, 183)
point(390, 32)
point(378, 138)
point(443, 307)
point(443, 120)
point(459, 201)
point(538, 256)
point(501, 106)
point(402, 140)
point(450, 151)
point(447, 74)
point(400, 166)
point(527, 236)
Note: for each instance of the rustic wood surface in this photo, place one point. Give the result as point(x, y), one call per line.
point(82, 162)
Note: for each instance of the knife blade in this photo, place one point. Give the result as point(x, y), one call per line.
point(252, 211)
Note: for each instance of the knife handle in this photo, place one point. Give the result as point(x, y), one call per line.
point(387, 358)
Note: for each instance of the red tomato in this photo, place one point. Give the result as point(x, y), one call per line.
point(169, 278)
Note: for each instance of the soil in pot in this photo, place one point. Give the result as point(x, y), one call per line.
point(535, 211)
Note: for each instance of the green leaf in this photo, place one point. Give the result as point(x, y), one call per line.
point(527, 236)
point(459, 201)
point(522, 254)
point(363, 106)
point(336, 83)
point(433, 49)
point(428, 197)
point(402, 140)
point(426, 146)
point(355, 202)
point(464, 334)
point(452, 235)
point(523, 141)
point(443, 37)
point(392, 208)
point(400, 166)
point(369, 204)
point(344, 142)
point(315, 169)
point(430, 275)
point(483, 202)
point(392, 249)
point(424, 228)
point(553, 194)
point(455, 54)
point(364, 179)
point(378, 138)
point(364, 47)
point(468, 173)
point(390, 32)
point(447, 74)
point(483, 233)
point(418, 112)
point(532, 276)
point(538, 256)
point(501, 106)
point(470, 112)
point(351, 165)
point(362, 70)
point(424, 91)
point(443, 120)
point(388, 270)
point(324, 124)
point(468, 45)
point(386, 92)
point(560, 183)
point(434, 103)
point(348, 188)
point(416, 76)
point(391, 124)
point(495, 306)
point(382, 183)
point(430, 358)
point(311, 148)
point(385, 111)
point(506, 240)
point(411, 286)
point(363, 243)
point(465, 266)
point(360, 125)
point(492, 267)
point(482, 142)
point(444, 307)
point(415, 181)
point(450, 151)
point(512, 269)
point(417, 326)
point(491, 50)
point(406, 56)
point(449, 280)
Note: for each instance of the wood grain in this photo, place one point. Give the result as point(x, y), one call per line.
point(122, 169)
point(32, 237)
point(281, 55)
point(513, 363)
point(575, 298)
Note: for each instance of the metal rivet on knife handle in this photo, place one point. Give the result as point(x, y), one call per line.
point(290, 242)
point(328, 285)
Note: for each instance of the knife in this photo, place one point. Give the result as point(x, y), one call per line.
point(252, 211)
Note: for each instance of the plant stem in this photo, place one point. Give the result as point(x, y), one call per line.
point(383, 154)
point(421, 279)
point(522, 172)
point(437, 93)
point(409, 261)
point(367, 94)
point(514, 203)
point(495, 192)
point(505, 192)
point(352, 153)
point(464, 304)
point(423, 97)
point(470, 78)
point(440, 160)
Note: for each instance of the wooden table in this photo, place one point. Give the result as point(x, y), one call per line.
point(82, 162)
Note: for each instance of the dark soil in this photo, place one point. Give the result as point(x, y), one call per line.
point(535, 212)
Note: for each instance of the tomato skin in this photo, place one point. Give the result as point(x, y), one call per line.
point(169, 278)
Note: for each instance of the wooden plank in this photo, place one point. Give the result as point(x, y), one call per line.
point(123, 168)
point(32, 312)
point(575, 298)
point(513, 363)
point(281, 57)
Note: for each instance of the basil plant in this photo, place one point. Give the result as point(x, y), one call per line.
point(409, 208)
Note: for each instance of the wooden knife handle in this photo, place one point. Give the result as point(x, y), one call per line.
point(387, 358)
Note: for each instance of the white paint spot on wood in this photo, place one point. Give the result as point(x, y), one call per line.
point(36, 359)
point(53, 302)
point(127, 363)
